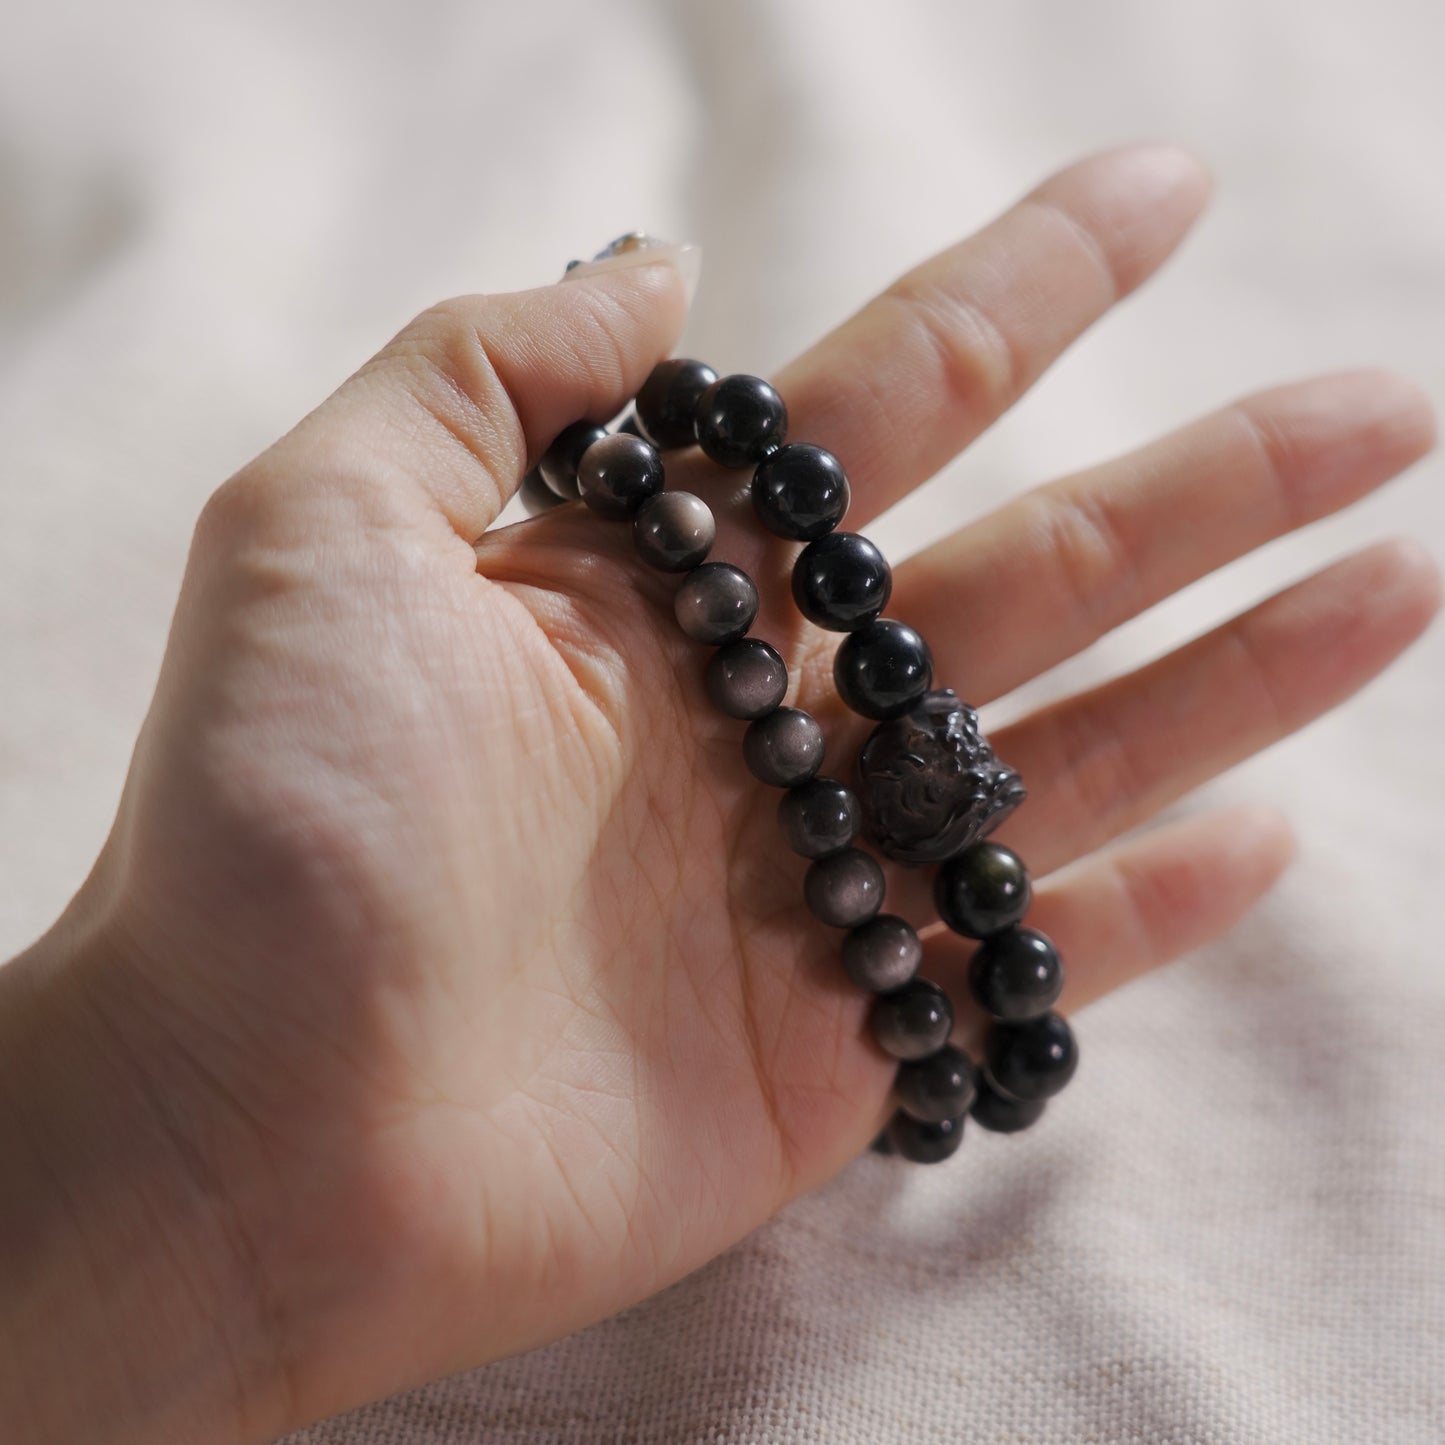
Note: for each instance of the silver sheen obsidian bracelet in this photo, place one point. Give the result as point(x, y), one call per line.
point(928, 786)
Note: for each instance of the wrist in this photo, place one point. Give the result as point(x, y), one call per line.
point(130, 1302)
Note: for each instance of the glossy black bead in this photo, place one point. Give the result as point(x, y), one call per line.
point(882, 669)
point(1016, 975)
point(667, 404)
point(537, 497)
point(673, 531)
point(1031, 1060)
point(740, 420)
point(940, 1087)
point(882, 1144)
point(913, 1021)
point(716, 603)
point(784, 748)
point(983, 890)
point(1001, 1114)
point(844, 890)
point(841, 581)
point(924, 1143)
point(618, 473)
point(819, 818)
point(801, 492)
point(746, 678)
point(559, 462)
point(882, 954)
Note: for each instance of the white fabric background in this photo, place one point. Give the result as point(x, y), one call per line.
point(1233, 1230)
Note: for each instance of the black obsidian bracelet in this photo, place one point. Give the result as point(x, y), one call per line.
point(928, 786)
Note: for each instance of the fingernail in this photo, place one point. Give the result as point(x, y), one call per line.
point(684, 256)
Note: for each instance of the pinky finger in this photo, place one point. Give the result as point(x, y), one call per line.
point(1127, 910)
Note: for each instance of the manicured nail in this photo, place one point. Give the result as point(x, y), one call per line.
point(684, 256)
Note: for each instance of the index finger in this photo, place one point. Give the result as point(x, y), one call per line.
point(930, 363)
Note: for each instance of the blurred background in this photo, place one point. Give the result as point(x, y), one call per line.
point(212, 211)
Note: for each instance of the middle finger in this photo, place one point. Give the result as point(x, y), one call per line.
point(1007, 597)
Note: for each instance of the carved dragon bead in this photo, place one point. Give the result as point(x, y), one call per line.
point(930, 784)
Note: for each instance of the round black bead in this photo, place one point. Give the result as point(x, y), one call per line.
point(746, 678)
point(940, 1087)
point(800, 491)
point(925, 1143)
point(1033, 1060)
point(559, 462)
point(537, 497)
point(784, 748)
point(882, 954)
point(618, 473)
point(1002, 1115)
point(844, 890)
point(913, 1021)
point(841, 581)
point(740, 420)
point(1016, 975)
point(667, 403)
point(982, 890)
point(820, 817)
point(882, 669)
point(716, 603)
point(674, 531)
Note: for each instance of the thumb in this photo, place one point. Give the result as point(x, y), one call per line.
point(454, 410)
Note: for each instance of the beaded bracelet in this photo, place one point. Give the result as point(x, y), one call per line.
point(929, 788)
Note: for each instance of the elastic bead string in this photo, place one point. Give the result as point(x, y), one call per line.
point(884, 671)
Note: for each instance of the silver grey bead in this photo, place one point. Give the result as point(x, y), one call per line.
point(716, 603)
point(913, 1021)
point(537, 497)
point(784, 748)
point(618, 473)
point(820, 817)
point(674, 531)
point(844, 890)
point(882, 954)
point(746, 678)
point(942, 1086)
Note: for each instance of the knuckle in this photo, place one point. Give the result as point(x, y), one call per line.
point(1256, 677)
point(604, 318)
point(978, 367)
point(1085, 242)
point(234, 509)
point(1087, 547)
point(1149, 896)
point(1275, 455)
point(442, 365)
point(1103, 775)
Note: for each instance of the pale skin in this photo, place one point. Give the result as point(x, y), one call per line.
point(444, 984)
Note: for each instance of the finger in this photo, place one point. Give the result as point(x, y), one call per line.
point(1103, 761)
point(921, 370)
point(1137, 905)
point(454, 410)
point(1043, 577)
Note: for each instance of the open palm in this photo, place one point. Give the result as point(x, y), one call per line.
point(445, 904)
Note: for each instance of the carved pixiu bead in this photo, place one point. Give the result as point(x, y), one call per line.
point(929, 782)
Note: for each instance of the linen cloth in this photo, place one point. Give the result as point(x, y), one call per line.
point(1232, 1228)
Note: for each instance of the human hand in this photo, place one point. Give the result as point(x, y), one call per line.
point(441, 918)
